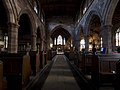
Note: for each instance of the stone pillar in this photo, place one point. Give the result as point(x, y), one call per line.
point(74, 42)
point(12, 37)
point(106, 37)
point(42, 45)
point(33, 43)
point(86, 43)
point(113, 40)
point(78, 45)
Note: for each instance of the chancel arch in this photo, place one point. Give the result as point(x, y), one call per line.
point(60, 38)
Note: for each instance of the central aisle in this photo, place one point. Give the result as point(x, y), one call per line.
point(60, 76)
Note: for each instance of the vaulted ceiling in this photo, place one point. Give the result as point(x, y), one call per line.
point(61, 7)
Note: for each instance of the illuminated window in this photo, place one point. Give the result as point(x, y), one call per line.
point(51, 45)
point(55, 41)
point(42, 18)
point(6, 41)
point(117, 36)
point(36, 7)
point(84, 10)
point(59, 40)
point(64, 41)
point(82, 44)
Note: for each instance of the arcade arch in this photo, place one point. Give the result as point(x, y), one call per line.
point(24, 33)
point(116, 28)
point(95, 32)
point(3, 27)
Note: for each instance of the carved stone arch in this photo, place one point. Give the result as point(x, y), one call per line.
point(31, 18)
point(108, 14)
point(10, 12)
point(57, 27)
point(79, 30)
point(62, 32)
point(28, 29)
point(88, 20)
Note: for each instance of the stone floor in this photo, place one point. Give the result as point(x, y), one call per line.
point(60, 77)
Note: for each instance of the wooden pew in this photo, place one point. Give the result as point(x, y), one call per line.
point(107, 67)
point(100, 68)
point(49, 54)
point(16, 69)
point(117, 79)
point(35, 62)
point(81, 62)
point(85, 62)
point(88, 63)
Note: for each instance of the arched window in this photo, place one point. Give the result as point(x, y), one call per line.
point(82, 44)
point(54, 41)
point(59, 40)
point(117, 36)
point(6, 41)
point(36, 7)
point(84, 10)
point(64, 41)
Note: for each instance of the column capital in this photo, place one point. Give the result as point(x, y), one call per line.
point(33, 35)
point(10, 24)
point(106, 35)
point(106, 27)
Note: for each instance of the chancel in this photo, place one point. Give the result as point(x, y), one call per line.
point(59, 44)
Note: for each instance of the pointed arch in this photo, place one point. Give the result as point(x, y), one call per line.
point(31, 18)
point(88, 20)
point(10, 11)
point(109, 11)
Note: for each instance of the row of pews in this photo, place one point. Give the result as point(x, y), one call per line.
point(17, 68)
point(101, 70)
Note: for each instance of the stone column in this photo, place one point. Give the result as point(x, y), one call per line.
point(42, 44)
point(86, 43)
point(33, 43)
point(106, 37)
point(74, 42)
point(77, 44)
point(12, 37)
point(113, 40)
